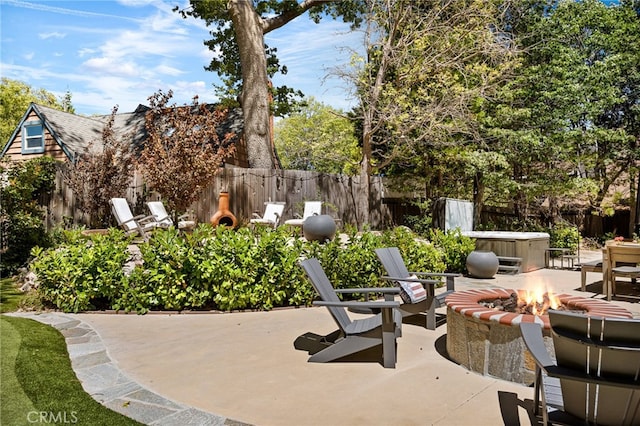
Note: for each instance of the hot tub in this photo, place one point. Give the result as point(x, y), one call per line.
point(529, 246)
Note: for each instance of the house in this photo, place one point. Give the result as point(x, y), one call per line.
point(63, 136)
point(44, 131)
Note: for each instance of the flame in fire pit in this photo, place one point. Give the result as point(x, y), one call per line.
point(534, 301)
point(537, 301)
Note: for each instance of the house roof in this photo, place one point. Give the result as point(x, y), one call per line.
point(77, 133)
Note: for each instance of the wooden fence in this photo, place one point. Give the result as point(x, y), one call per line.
point(249, 189)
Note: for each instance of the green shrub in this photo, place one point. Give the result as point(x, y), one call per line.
point(84, 274)
point(351, 264)
point(220, 268)
point(217, 269)
point(564, 235)
point(454, 247)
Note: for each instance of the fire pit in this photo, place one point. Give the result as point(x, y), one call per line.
point(487, 340)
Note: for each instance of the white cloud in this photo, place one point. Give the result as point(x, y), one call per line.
point(86, 51)
point(168, 70)
point(55, 34)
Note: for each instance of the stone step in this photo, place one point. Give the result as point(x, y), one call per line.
point(508, 269)
point(509, 265)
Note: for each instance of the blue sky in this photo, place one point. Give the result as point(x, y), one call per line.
point(119, 52)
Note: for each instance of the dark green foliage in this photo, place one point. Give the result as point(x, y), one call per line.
point(564, 235)
point(21, 215)
point(83, 274)
point(454, 247)
point(219, 268)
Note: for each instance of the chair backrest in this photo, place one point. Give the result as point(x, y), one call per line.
point(623, 254)
point(391, 259)
point(121, 210)
point(159, 213)
point(325, 290)
point(601, 347)
point(312, 208)
point(273, 212)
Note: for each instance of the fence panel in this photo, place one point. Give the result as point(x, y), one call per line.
point(248, 190)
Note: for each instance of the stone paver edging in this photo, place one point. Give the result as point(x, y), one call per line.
point(102, 379)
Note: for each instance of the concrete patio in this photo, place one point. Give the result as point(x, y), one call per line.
point(234, 368)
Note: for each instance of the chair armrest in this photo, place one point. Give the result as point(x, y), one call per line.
point(436, 274)
point(144, 219)
point(411, 280)
point(533, 340)
point(355, 304)
point(392, 290)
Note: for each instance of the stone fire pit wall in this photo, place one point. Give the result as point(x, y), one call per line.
point(489, 342)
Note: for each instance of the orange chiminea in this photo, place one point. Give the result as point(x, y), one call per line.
point(224, 216)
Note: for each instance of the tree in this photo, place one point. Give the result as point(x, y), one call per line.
point(318, 138)
point(103, 171)
point(246, 63)
point(568, 122)
point(21, 216)
point(15, 97)
point(429, 65)
point(183, 150)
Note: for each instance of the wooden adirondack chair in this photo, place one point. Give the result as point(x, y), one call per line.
point(393, 263)
point(595, 378)
point(353, 337)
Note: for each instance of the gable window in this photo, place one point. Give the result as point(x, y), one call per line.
point(32, 137)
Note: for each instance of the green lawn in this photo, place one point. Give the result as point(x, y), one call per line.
point(10, 295)
point(37, 382)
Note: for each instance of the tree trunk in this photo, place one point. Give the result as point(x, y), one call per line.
point(255, 83)
point(634, 217)
point(478, 199)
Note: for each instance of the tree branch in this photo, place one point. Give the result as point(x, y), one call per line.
point(270, 24)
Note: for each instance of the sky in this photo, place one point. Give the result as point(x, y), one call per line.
point(120, 52)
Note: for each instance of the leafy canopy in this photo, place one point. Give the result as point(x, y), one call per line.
point(318, 138)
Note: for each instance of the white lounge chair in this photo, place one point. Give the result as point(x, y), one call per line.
point(164, 220)
point(271, 217)
point(126, 220)
point(311, 208)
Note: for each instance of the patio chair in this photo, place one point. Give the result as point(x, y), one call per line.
point(271, 217)
point(594, 378)
point(623, 260)
point(311, 208)
point(391, 259)
point(354, 338)
point(131, 224)
point(157, 210)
